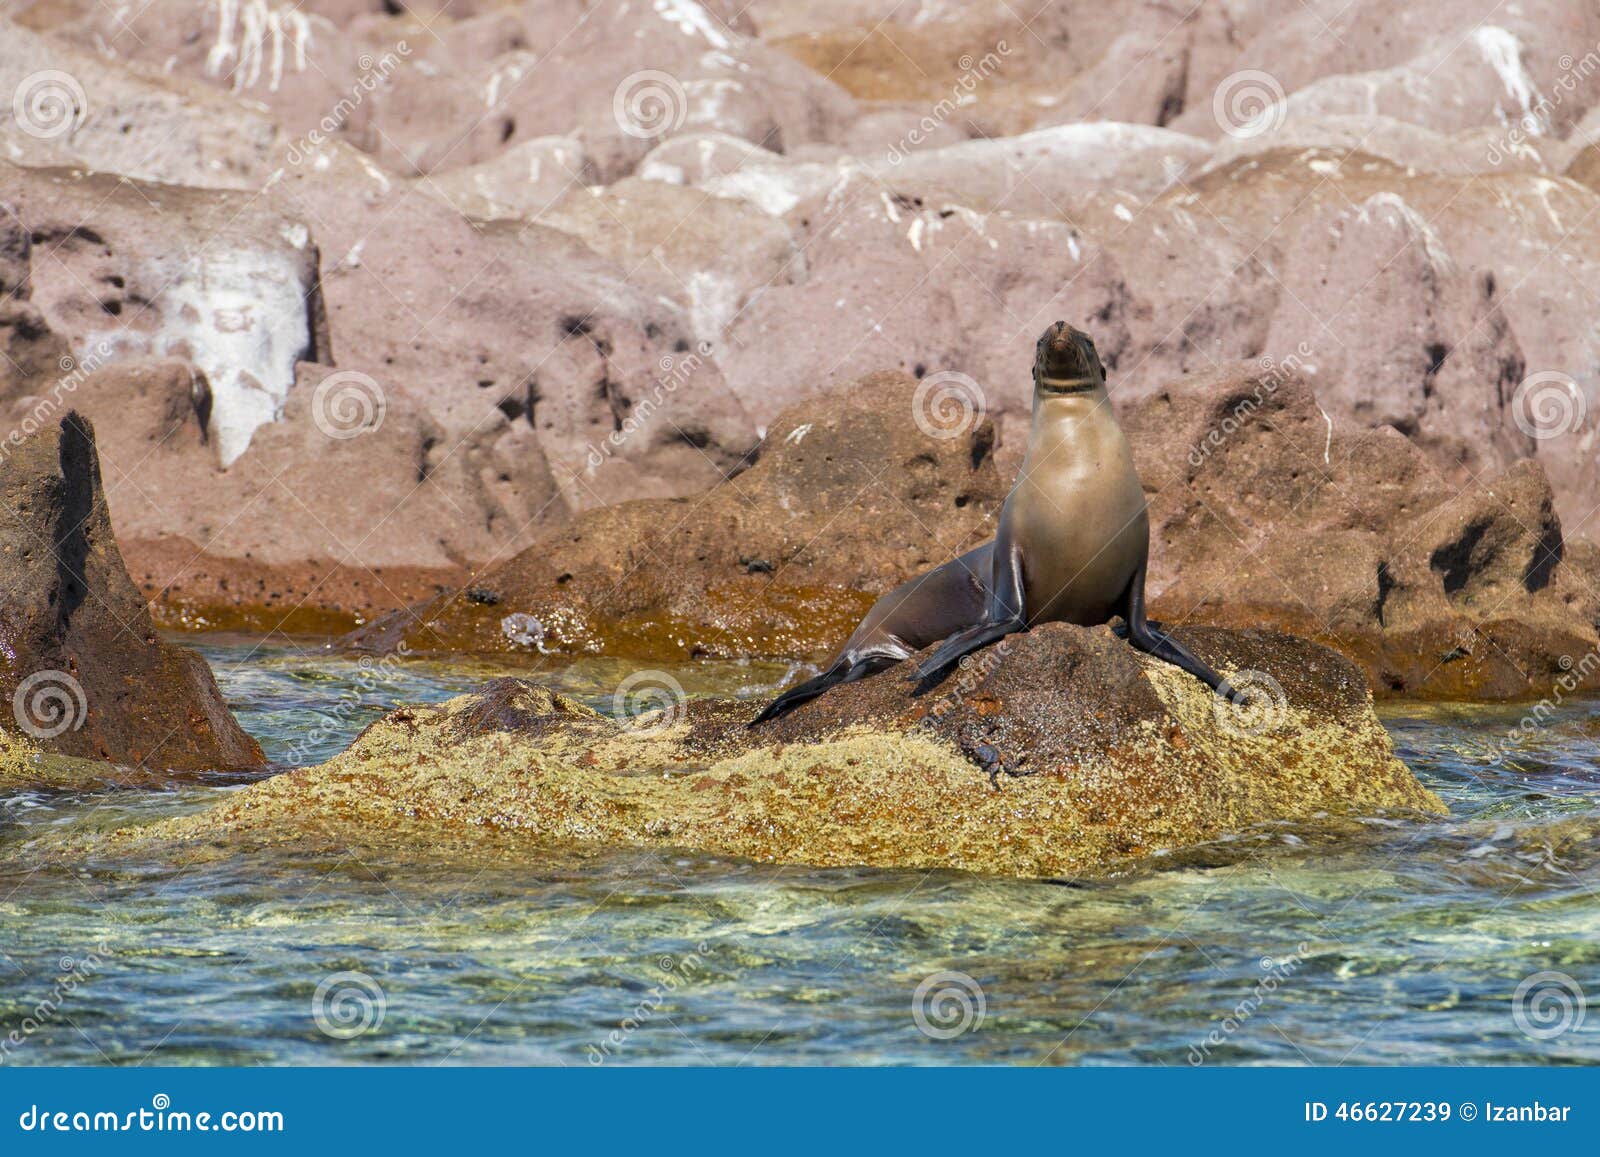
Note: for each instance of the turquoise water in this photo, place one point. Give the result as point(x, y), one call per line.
point(1397, 944)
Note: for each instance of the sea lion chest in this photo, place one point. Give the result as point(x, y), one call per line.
point(1077, 514)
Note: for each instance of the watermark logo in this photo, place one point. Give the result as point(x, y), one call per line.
point(1549, 1004)
point(74, 372)
point(49, 104)
point(973, 73)
point(348, 1004)
point(1258, 705)
point(1548, 404)
point(1539, 114)
point(374, 75)
point(947, 404)
point(73, 971)
point(1248, 104)
point(1273, 375)
point(347, 404)
point(673, 973)
point(49, 703)
point(1574, 677)
point(675, 371)
point(337, 720)
point(1276, 971)
point(947, 1005)
point(648, 703)
point(649, 104)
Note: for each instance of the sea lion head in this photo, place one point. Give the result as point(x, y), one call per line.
point(1065, 362)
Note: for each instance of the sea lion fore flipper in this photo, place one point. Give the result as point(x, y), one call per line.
point(1151, 641)
point(842, 671)
point(915, 614)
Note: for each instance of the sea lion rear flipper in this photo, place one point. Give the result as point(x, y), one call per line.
point(1151, 641)
point(845, 670)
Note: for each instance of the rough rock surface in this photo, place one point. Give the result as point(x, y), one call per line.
point(83, 671)
point(512, 215)
point(1125, 758)
point(1264, 511)
point(842, 499)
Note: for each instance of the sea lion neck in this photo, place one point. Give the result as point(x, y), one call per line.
point(1079, 405)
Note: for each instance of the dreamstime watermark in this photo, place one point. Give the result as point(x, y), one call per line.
point(49, 703)
point(947, 404)
point(1267, 383)
point(649, 104)
point(1575, 674)
point(73, 971)
point(160, 1117)
point(947, 1005)
point(1258, 705)
point(1277, 971)
point(348, 404)
point(1549, 1004)
point(973, 73)
point(675, 371)
point(1541, 113)
point(49, 104)
point(348, 1004)
point(74, 372)
point(971, 670)
point(675, 972)
point(333, 721)
point(1548, 404)
point(1249, 103)
point(647, 703)
point(374, 73)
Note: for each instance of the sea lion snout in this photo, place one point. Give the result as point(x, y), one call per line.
point(1065, 361)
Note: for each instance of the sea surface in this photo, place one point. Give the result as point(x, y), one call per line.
point(1470, 940)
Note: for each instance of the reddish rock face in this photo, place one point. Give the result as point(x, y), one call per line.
point(843, 499)
point(1264, 511)
point(514, 218)
point(83, 671)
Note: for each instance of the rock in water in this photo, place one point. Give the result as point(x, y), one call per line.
point(1059, 751)
point(82, 670)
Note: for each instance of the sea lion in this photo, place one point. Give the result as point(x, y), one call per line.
point(1072, 546)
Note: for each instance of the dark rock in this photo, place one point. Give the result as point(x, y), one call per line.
point(83, 671)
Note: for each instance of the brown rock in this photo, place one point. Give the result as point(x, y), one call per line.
point(1266, 512)
point(84, 672)
point(845, 497)
point(136, 122)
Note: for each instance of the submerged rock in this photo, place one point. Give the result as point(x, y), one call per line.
point(1061, 751)
point(83, 671)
